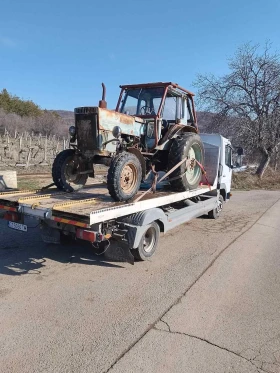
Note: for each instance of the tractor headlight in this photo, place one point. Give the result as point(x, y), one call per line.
point(117, 132)
point(72, 131)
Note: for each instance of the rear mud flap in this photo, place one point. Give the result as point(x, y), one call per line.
point(50, 235)
point(119, 252)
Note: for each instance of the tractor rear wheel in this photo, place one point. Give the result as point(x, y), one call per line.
point(66, 171)
point(188, 175)
point(124, 176)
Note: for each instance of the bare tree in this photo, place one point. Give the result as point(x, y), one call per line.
point(47, 123)
point(247, 100)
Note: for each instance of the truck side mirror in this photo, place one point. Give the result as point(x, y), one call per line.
point(240, 151)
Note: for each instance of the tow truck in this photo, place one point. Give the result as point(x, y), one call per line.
point(92, 215)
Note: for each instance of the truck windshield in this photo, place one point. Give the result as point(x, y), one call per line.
point(142, 101)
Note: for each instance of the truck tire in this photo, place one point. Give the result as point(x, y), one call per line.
point(186, 145)
point(124, 176)
point(148, 243)
point(65, 171)
point(214, 214)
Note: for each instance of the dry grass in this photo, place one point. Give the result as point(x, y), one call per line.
point(248, 180)
point(33, 182)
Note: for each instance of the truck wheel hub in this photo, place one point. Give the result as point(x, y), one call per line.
point(149, 240)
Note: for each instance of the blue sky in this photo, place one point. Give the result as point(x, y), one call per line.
point(57, 52)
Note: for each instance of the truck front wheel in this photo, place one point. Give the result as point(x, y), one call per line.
point(214, 214)
point(148, 242)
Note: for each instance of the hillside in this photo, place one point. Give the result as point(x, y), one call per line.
point(19, 115)
point(65, 114)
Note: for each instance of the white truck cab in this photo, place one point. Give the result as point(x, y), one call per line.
point(225, 161)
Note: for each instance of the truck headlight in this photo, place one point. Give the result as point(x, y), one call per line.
point(117, 131)
point(72, 131)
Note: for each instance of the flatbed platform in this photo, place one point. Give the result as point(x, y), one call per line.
point(90, 205)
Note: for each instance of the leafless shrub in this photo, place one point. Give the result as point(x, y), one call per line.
point(246, 102)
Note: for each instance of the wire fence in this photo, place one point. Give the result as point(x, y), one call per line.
point(29, 149)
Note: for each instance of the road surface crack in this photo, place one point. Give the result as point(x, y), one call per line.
point(268, 226)
point(251, 361)
point(166, 325)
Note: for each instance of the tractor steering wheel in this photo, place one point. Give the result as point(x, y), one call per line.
point(146, 110)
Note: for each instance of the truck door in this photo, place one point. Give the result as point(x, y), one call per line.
point(227, 167)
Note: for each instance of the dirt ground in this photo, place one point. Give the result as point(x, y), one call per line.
point(40, 176)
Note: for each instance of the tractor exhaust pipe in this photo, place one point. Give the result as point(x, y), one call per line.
point(103, 103)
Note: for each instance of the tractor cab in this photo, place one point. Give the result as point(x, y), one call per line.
point(161, 104)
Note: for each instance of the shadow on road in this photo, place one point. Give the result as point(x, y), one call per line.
point(25, 253)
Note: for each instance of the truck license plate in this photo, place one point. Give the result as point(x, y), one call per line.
point(17, 226)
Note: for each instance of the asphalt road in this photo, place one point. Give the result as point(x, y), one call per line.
point(208, 301)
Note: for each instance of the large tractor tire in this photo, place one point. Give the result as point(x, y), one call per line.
point(65, 171)
point(187, 176)
point(124, 176)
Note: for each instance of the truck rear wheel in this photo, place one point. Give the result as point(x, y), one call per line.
point(124, 176)
point(65, 171)
point(148, 243)
point(186, 177)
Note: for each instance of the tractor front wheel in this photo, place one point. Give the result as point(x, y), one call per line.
point(66, 171)
point(124, 176)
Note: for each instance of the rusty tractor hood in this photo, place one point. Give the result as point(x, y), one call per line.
point(129, 125)
point(94, 127)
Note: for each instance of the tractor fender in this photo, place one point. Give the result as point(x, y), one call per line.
point(184, 129)
point(172, 134)
point(142, 161)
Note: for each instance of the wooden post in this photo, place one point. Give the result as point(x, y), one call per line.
point(276, 160)
point(46, 148)
point(8, 141)
point(28, 157)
